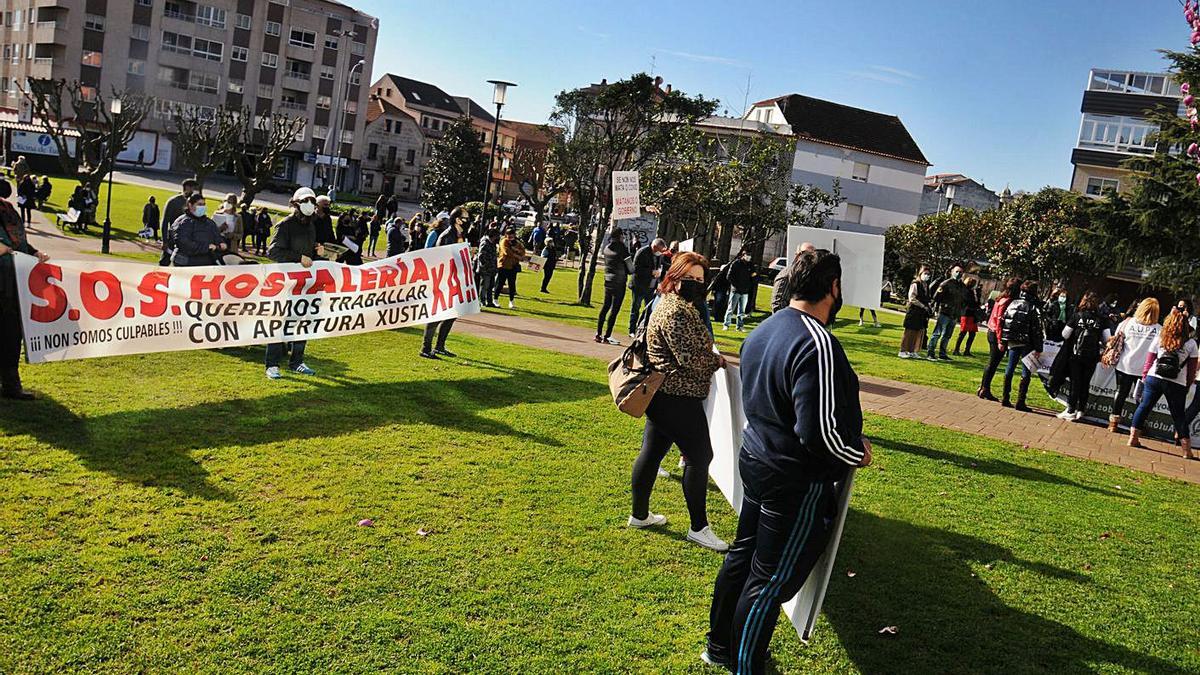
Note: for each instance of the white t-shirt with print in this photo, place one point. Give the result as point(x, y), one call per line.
point(1138, 339)
point(1188, 351)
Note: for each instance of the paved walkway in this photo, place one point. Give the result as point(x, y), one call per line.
point(928, 405)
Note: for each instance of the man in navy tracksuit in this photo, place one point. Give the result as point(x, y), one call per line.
point(803, 434)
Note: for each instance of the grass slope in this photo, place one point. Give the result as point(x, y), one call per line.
point(181, 512)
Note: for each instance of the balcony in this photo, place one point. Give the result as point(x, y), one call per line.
point(293, 106)
point(297, 80)
point(52, 32)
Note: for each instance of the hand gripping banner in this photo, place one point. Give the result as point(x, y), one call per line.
point(82, 308)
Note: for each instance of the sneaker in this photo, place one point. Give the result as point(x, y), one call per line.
point(905, 355)
point(273, 373)
point(428, 355)
point(1077, 416)
point(877, 325)
point(663, 473)
point(650, 520)
point(1065, 415)
point(304, 370)
point(707, 539)
point(710, 660)
point(724, 326)
point(442, 351)
point(860, 323)
point(598, 339)
point(610, 341)
point(511, 305)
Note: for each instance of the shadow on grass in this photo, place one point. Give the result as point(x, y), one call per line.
point(152, 447)
point(920, 580)
point(327, 369)
point(994, 467)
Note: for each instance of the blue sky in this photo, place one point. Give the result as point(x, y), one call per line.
point(989, 89)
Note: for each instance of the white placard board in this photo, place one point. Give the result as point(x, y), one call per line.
point(862, 260)
point(725, 424)
point(687, 246)
point(626, 195)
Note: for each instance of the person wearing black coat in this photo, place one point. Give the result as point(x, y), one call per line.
point(43, 193)
point(397, 238)
point(550, 253)
point(645, 272)
point(295, 241)
point(196, 239)
point(150, 216)
point(741, 283)
point(615, 274)
point(916, 316)
point(449, 236)
point(172, 210)
point(1022, 336)
point(27, 198)
point(262, 231)
point(13, 238)
point(1087, 332)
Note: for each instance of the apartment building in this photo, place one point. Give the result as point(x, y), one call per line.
point(300, 57)
point(945, 192)
point(1114, 127)
point(878, 164)
point(393, 162)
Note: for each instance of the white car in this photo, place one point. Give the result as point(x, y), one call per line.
point(778, 264)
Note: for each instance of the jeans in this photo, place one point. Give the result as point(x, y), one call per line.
point(943, 328)
point(782, 531)
point(1016, 354)
point(613, 297)
point(487, 283)
point(737, 308)
point(1153, 389)
point(678, 420)
point(1125, 384)
point(275, 354)
point(442, 328)
point(641, 298)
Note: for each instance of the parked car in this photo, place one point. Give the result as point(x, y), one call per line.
point(777, 265)
point(571, 218)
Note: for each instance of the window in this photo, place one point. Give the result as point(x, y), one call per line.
point(355, 77)
point(391, 156)
point(410, 157)
point(205, 82)
point(266, 91)
point(298, 69)
point(1133, 83)
point(320, 131)
point(139, 32)
point(387, 125)
point(137, 67)
point(173, 42)
point(373, 151)
point(424, 121)
point(18, 19)
point(324, 102)
point(87, 93)
point(303, 38)
point(1098, 187)
point(175, 10)
point(429, 150)
point(146, 3)
point(236, 86)
point(1117, 134)
point(270, 60)
point(854, 213)
point(331, 42)
point(408, 185)
point(207, 15)
point(242, 21)
point(91, 58)
point(369, 180)
point(273, 28)
point(861, 169)
point(352, 107)
point(358, 48)
point(326, 72)
point(173, 77)
point(347, 136)
point(239, 54)
point(93, 22)
point(208, 49)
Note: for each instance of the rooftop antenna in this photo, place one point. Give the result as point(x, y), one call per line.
point(653, 59)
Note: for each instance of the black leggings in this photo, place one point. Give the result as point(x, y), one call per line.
point(994, 358)
point(679, 420)
point(1081, 369)
point(508, 276)
point(613, 297)
point(970, 335)
point(1125, 383)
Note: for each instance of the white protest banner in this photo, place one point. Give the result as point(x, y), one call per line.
point(83, 309)
point(687, 246)
point(725, 423)
point(627, 199)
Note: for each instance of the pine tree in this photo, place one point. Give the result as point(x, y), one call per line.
point(455, 172)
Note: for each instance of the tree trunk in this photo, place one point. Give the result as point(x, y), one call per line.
point(585, 240)
point(585, 296)
point(756, 253)
point(725, 243)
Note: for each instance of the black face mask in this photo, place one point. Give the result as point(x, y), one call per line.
point(837, 306)
point(691, 290)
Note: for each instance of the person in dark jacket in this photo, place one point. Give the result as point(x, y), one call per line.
point(381, 206)
point(172, 210)
point(995, 326)
point(487, 259)
point(12, 238)
point(550, 253)
point(393, 205)
point(1022, 334)
point(719, 288)
point(803, 434)
point(1087, 332)
point(741, 282)
point(150, 216)
point(397, 237)
point(1057, 313)
point(247, 219)
point(44, 191)
point(416, 233)
point(262, 231)
point(323, 222)
point(615, 274)
point(450, 235)
point(196, 238)
point(374, 228)
point(916, 315)
point(295, 241)
point(645, 273)
point(948, 299)
point(27, 198)
point(968, 323)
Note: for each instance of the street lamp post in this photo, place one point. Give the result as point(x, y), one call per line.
point(115, 109)
point(499, 94)
point(342, 121)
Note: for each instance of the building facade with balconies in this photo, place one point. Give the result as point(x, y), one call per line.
point(393, 161)
point(298, 57)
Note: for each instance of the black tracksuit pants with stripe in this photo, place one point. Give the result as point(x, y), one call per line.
point(783, 529)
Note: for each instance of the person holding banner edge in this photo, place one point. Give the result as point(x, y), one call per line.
point(12, 238)
point(295, 241)
point(803, 435)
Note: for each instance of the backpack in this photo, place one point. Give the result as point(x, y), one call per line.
point(1088, 333)
point(1168, 364)
point(1018, 322)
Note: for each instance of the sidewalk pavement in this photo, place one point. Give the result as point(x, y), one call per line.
point(48, 238)
point(927, 405)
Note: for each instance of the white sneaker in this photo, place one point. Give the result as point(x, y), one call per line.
point(905, 355)
point(650, 520)
point(611, 341)
point(860, 323)
point(877, 325)
point(1077, 416)
point(707, 539)
point(511, 305)
point(1064, 415)
point(663, 473)
point(273, 373)
point(682, 463)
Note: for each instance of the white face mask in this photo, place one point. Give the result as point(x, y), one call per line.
point(924, 277)
point(1062, 298)
point(201, 210)
point(308, 208)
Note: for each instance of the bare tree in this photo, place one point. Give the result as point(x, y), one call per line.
point(260, 144)
point(536, 178)
point(204, 143)
point(63, 108)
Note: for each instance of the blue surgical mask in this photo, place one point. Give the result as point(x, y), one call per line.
point(201, 210)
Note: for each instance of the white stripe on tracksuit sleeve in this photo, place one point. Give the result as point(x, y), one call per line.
point(816, 400)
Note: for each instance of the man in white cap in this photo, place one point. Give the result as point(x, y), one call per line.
point(295, 241)
point(323, 221)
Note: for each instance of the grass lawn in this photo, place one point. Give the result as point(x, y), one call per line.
point(180, 512)
point(871, 350)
